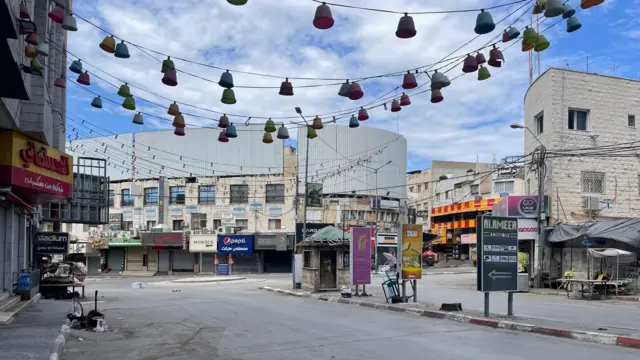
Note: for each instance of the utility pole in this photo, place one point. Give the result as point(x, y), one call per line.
point(306, 196)
point(377, 209)
point(537, 280)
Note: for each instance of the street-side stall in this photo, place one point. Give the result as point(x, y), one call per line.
point(325, 260)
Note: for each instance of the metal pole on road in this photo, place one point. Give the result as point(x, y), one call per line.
point(306, 198)
point(509, 303)
point(486, 305)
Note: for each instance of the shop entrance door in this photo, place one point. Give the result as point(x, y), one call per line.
point(328, 268)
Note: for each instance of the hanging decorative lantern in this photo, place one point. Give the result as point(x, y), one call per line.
point(530, 36)
point(124, 90)
point(439, 81)
point(230, 132)
point(69, 23)
point(353, 122)
point(122, 51)
point(178, 121)
point(527, 48)
point(84, 79)
point(436, 96)
point(76, 67)
point(355, 91)
point(223, 137)
point(129, 103)
point(270, 126)
point(237, 2)
point(404, 100)
point(223, 123)
point(553, 8)
point(484, 23)
point(108, 44)
point(283, 133)
point(286, 88)
point(60, 82)
point(323, 19)
point(167, 64)
point(483, 73)
point(311, 133)
point(35, 65)
point(586, 4)
point(24, 12)
point(569, 11)
point(514, 33)
point(267, 138)
point(43, 48)
point(505, 36)
point(395, 106)
point(97, 102)
point(173, 109)
point(228, 97)
point(170, 78)
point(30, 51)
point(363, 115)
point(226, 80)
point(496, 58)
point(137, 119)
point(573, 24)
point(32, 38)
point(344, 89)
point(537, 9)
point(470, 64)
point(541, 44)
point(317, 123)
point(409, 81)
point(179, 131)
point(406, 27)
point(480, 59)
point(57, 14)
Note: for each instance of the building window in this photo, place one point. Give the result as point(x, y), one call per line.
point(242, 224)
point(239, 194)
point(346, 260)
point(178, 225)
point(447, 194)
point(150, 224)
point(198, 221)
point(475, 189)
point(411, 189)
point(593, 182)
point(217, 223)
point(177, 194)
point(151, 196)
point(306, 258)
point(437, 196)
point(127, 225)
point(419, 188)
point(275, 194)
point(112, 196)
point(207, 194)
point(127, 199)
point(504, 187)
point(539, 123)
point(577, 120)
point(275, 224)
point(631, 120)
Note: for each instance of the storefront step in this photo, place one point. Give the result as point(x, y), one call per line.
point(9, 312)
point(138, 273)
point(8, 302)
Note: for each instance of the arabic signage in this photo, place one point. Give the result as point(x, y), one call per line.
point(35, 171)
point(51, 243)
point(127, 215)
point(527, 229)
point(468, 239)
point(122, 239)
point(115, 221)
point(166, 239)
point(235, 244)
point(411, 256)
point(203, 243)
point(176, 211)
point(238, 211)
point(520, 206)
point(360, 260)
point(274, 210)
point(138, 211)
point(256, 206)
point(191, 209)
point(312, 228)
point(150, 212)
point(221, 212)
point(385, 204)
point(497, 253)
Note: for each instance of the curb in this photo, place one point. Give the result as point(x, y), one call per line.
point(5, 317)
point(584, 336)
point(449, 273)
point(60, 342)
point(196, 281)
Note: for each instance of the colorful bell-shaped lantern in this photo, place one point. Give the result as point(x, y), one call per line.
point(586, 4)
point(35, 65)
point(323, 19)
point(541, 44)
point(311, 133)
point(317, 123)
point(353, 122)
point(480, 59)
point(129, 103)
point(223, 137)
point(43, 48)
point(32, 38)
point(406, 27)
point(57, 14)
point(179, 131)
point(226, 80)
point(530, 36)
point(404, 100)
point(237, 2)
point(223, 123)
point(553, 8)
point(173, 109)
point(537, 9)
point(178, 121)
point(569, 11)
point(228, 97)
point(122, 51)
point(496, 58)
point(60, 82)
point(363, 115)
point(30, 51)
point(170, 78)
point(24, 11)
point(483, 73)
point(470, 64)
point(355, 91)
point(76, 67)
point(283, 133)
point(527, 48)
point(344, 89)
point(108, 44)
point(505, 36)
point(137, 119)
point(69, 23)
point(439, 81)
point(97, 102)
point(395, 106)
point(167, 64)
point(124, 90)
point(573, 24)
point(267, 138)
point(409, 81)
point(484, 23)
point(231, 132)
point(270, 126)
point(514, 33)
point(84, 79)
point(286, 88)
point(436, 96)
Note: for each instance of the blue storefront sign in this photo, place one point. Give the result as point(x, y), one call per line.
point(235, 244)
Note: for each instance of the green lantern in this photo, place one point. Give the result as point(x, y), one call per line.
point(237, 2)
point(541, 44)
point(483, 73)
point(311, 133)
point(167, 65)
point(129, 103)
point(97, 102)
point(270, 126)
point(529, 37)
point(124, 91)
point(228, 97)
point(35, 64)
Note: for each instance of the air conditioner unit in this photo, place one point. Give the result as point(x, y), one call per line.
point(132, 232)
point(221, 229)
point(229, 230)
point(591, 203)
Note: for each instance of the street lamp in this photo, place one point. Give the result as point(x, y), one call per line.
point(375, 171)
point(520, 126)
point(306, 194)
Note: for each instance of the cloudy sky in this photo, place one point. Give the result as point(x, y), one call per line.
point(277, 38)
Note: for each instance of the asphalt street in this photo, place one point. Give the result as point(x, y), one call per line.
point(236, 321)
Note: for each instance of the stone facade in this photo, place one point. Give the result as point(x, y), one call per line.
point(311, 272)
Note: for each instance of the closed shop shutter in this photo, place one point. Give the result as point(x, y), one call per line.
point(14, 246)
point(182, 261)
point(3, 213)
point(277, 261)
point(134, 258)
point(163, 261)
point(93, 265)
point(22, 246)
point(152, 259)
point(208, 263)
point(115, 259)
point(244, 263)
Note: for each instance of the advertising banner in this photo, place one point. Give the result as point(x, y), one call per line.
point(520, 206)
point(51, 243)
point(360, 250)
point(527, 229)
point(411, 262)
point(312, 228)
point(235, 244)
point(203, 243)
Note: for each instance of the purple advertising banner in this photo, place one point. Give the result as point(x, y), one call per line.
point(360, 250)
point(520, 206)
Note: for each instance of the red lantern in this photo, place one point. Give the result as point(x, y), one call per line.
point(395, 106)
point(363, 115)
point(505, 36)
point(404, 100)
point(60, 83)
point(409, 81)
point(179, 131)
point(223, 123)
point(24, 12)
point(57, 14)
point(355, 91)
point(436, 96)
point(480, 59)
point(170, 78)
point(496, 58)
point(470, 64)
point(323, 19)
point(406, 27)
point(223, 137)
point(32, 39)
point(84, 79)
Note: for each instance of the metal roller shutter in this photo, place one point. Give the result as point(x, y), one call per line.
point(14, 246)
point(3, 214)
point(93, 265)
point(163, 261)
point(182, 261)
point(114, 260)
point(208, 263)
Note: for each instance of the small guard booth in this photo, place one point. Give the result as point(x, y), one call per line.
point(325, 260)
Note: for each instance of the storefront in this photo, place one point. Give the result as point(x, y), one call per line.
point(274, 252)
point(129, 251)
point(204, 247)
point(172, 251)
point(240, 249)
point(386, 243)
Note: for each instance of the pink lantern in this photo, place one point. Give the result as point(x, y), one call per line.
point(323, 19)
point(355, 91)
point(57, 14)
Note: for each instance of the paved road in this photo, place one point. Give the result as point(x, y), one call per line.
point(239, 322)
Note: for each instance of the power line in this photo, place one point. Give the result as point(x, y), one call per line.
point(434, 12)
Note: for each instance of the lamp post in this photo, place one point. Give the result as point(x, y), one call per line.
point(375, 171)
point(306, 195)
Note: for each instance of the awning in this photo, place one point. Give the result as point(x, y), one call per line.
point(626, 231)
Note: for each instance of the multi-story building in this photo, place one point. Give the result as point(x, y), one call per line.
point(420, 196)
point(33, 165)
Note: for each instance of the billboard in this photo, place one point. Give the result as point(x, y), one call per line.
point(360, 261)
point(411, 255)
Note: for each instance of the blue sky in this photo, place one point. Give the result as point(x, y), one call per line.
point(278, 38)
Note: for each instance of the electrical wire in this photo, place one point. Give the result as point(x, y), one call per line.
point(420, 12)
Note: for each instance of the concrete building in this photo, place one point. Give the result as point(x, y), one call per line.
point(32, 121)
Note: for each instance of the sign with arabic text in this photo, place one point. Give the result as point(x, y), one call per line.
point(360, 260)
point(51, 243)
point(411, 253)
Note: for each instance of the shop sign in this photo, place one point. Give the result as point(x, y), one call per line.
point(167, 239)
point(312, 228)
point(176, 211)
point(527, 229)
point(138, 211)
point(150, 212)
point(127, 215)
point(520, 206)
point(385, 204)
point(221, 212)
point(468, 239)
point(411, 257)
point(123, 239)
point(387, 239)
point(256, 206)
point(51, 243)
point(360, 258)
point(203, 243)
point(115, 221)
point(238, 211)
point(274, 210)
point(235, 244)
point(191, 209)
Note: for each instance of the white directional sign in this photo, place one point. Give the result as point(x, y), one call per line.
point(497, 239)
